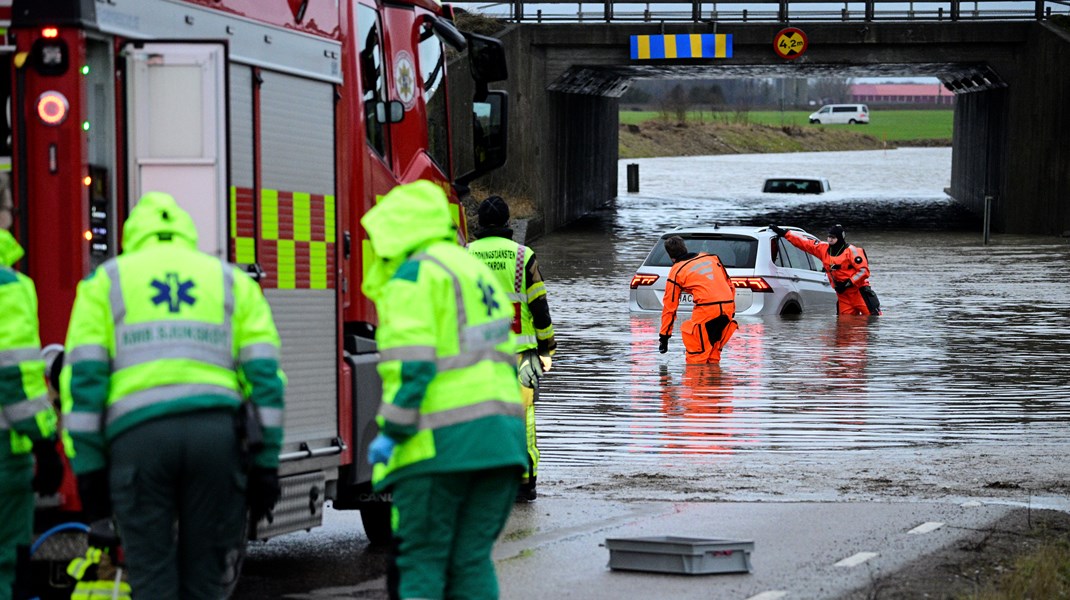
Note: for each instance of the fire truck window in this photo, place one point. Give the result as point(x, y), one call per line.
point(432, 70)
point(371, 74)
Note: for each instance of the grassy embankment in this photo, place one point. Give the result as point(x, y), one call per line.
point(648, 133)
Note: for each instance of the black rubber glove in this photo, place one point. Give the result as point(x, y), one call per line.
point(49, 468)
point(262, 493)
point(841, 286)
point(95, 494)
point(778, 230)
point(663, 343)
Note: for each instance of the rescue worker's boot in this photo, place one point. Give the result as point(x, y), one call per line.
point(527, 492)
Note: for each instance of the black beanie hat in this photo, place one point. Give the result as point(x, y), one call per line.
point(837, 232)
point(493, 212)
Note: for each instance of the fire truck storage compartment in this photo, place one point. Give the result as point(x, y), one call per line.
point(176, 118)
point(295, 241)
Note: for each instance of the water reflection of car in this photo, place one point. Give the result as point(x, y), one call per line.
point(796, 185)
point(771, 276)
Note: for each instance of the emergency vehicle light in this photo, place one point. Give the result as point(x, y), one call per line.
point(52, 107)
point(50, 32)
point(88, 181)
point(754, 284)
point(643, 279)
point(88, 235)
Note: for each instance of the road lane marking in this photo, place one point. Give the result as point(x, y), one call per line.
point(857, 559)
point(770, 595)
point(971, 504)
point(927, 527)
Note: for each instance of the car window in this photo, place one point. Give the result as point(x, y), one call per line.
point(794, 258)
point(734, 252)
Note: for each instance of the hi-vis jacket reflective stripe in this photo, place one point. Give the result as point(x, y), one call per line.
point(851, 264)
point(705, 278)
point(165, 329)
point(510, 263)
point(451, 399)
point(26, 414)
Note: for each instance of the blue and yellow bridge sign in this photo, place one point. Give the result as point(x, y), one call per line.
point(682, 45)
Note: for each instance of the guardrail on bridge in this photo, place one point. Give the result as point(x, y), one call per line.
point(780, 11)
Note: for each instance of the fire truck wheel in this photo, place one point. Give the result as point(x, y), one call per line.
point(375, 517)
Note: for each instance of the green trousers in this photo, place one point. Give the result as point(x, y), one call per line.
point(16, 514)
point(185, 468)
point(445, 527)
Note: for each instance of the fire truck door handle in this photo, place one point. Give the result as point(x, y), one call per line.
point(255, 271)
point(346, 242)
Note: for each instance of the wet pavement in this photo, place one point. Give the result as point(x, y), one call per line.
point(957, 395)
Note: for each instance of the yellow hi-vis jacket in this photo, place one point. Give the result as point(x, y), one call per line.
point(26, 415)
point(451, 399)
point(511, 263)
point(165, 329)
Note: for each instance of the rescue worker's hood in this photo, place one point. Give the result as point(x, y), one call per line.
point(156, 218)
point(10, 250)
point(409, 218)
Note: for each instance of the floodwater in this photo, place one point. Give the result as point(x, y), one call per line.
point(972, 347)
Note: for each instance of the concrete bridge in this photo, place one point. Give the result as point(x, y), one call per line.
point(1012, 114)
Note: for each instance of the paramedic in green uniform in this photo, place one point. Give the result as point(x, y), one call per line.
point(165, 343)
point(451, 444)
point(27, 419)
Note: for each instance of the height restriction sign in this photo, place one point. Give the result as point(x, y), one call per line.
point(790, 43)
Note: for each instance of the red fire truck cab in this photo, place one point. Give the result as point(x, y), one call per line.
point(277, 124)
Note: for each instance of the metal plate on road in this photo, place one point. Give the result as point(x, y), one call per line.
point(790, 43)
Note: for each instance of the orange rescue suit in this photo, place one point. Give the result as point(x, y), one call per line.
point(849, 265)
point(712, 321)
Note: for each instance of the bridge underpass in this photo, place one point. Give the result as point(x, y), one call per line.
point(1010, 128)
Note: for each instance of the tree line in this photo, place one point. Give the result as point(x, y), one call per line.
point(676, 98)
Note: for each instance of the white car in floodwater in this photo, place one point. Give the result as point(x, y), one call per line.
point(771, 276)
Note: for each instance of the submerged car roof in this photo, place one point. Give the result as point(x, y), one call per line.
point(726, 229)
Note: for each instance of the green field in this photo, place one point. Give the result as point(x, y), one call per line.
point(890, 125)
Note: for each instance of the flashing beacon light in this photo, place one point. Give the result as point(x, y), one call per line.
point(88, 181)
point(50, 32)
point(52, 108)
point(88, 235)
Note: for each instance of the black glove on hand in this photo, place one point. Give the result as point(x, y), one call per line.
point(663, 343)
point(49, 468)
point(778, 230)
point(94, 492)
point(262, 493)
point(841, 286)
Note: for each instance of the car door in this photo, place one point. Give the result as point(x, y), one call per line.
point(813, 286)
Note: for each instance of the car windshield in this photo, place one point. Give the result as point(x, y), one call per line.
point(735, 252)
point(792, 186)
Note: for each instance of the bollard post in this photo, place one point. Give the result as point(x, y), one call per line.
point(633, 178)
point(988, 219)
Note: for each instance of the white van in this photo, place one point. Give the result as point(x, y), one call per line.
point(841, 113)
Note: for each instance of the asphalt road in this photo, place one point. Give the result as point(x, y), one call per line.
point(554, 548)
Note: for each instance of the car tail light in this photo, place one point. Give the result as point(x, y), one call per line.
point(754, 284)
point(643, 279)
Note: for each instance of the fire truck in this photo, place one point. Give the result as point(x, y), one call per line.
point(276, 124)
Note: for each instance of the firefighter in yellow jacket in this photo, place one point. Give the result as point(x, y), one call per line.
point(517, 270)
point(27, 419)
point(451, 443)
point(165, 343)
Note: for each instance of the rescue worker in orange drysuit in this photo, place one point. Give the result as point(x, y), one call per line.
point(712, 321)
point(846, 266)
